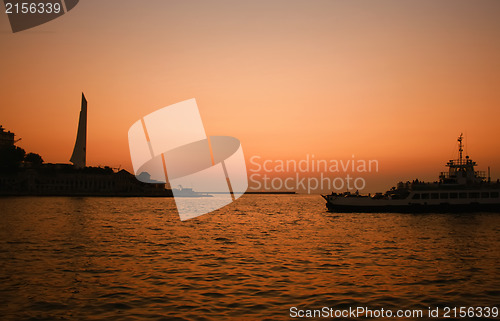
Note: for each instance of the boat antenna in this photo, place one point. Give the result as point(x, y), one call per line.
point(460, 147)
point(466, 143)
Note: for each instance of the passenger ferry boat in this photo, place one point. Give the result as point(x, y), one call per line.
point(460, 189)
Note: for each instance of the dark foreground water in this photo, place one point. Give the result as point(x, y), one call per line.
point(133, 259)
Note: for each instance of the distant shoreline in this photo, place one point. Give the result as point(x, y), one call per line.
point(5, 195)
point(275, 193)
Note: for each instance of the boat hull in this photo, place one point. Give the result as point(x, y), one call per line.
point(364, 204)
point(414, 208)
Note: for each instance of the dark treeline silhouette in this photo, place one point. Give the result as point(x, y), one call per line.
point(12, 157)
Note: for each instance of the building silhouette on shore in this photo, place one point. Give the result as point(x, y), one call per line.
point(20, 176)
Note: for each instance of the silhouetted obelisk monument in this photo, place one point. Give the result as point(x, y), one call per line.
point(79, 157)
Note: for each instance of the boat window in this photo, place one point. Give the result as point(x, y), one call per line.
point(494, 194)
point(425, 196)
point(485, 195)
point(416, 197)
point(443, 196)
point(462, 195)
point(434, 196)
point(453, 195)
point(474, 195)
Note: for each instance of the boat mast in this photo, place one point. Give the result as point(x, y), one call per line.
point(460, 148)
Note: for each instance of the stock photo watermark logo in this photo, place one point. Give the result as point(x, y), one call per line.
point(310, 175)
point(26, 14)
point(170, 145)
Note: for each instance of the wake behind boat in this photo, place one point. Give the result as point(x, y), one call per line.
point(460, 189)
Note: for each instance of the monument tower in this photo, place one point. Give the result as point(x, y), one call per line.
point(79, 157)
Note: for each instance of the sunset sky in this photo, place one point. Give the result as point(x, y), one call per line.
point(396, 81)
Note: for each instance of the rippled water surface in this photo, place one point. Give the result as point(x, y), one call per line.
point(133, 259)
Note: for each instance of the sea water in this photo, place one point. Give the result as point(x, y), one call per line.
point(259, 258)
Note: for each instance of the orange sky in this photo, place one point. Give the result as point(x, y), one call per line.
point(395, 81)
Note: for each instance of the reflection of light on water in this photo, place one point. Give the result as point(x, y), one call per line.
point(195, 206)
point(115, 257)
